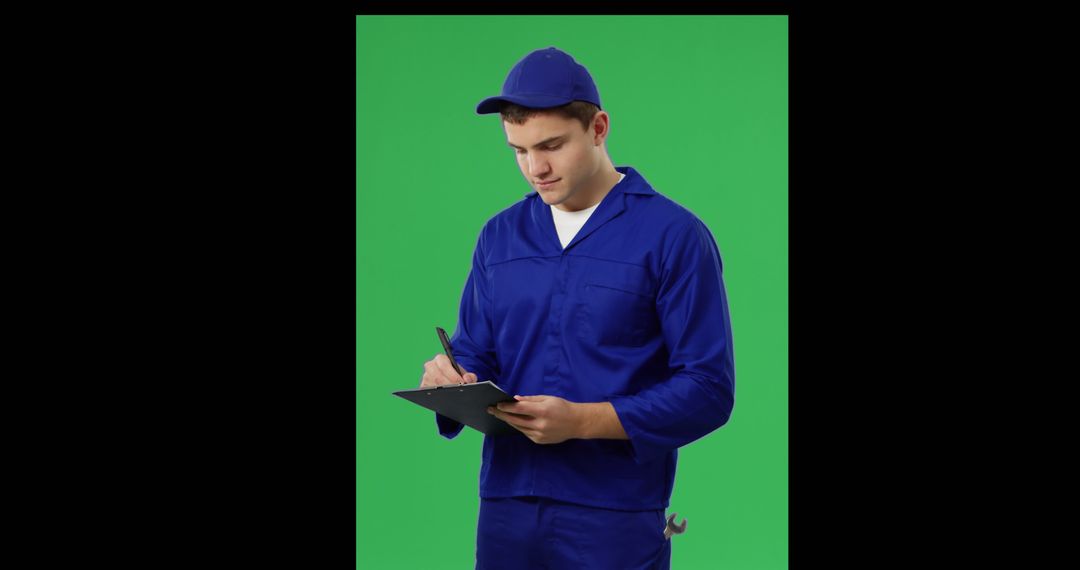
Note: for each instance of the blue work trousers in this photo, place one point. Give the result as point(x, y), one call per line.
point(537, 533)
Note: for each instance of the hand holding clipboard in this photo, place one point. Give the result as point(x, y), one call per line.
point(449, 389)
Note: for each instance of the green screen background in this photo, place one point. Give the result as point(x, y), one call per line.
point(698, 105)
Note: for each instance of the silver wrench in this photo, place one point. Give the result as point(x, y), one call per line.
point(671, 528)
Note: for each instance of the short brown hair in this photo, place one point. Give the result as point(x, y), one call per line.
point(583, 111)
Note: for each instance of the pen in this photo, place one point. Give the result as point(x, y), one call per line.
point(446, 348)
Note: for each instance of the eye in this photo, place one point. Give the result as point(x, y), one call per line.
point(545, 149)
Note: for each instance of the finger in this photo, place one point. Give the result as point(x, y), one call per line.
point(519, 408)
point(515, 413)
point(427, 379)
point(513, 419)
point(447, 369)
point(470, 378)
point(432, 375)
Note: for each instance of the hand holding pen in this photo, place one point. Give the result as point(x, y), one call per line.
point(443, 368)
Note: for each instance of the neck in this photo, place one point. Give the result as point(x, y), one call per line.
point(598, 187)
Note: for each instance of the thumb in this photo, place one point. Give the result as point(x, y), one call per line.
point(469, 378)
point(530, 398)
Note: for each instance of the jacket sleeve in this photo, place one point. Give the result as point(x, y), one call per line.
point(692, 307)
point(473, 342)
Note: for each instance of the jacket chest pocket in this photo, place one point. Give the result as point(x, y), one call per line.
point(618, 305)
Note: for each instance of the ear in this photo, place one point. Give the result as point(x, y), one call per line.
point(601, 127)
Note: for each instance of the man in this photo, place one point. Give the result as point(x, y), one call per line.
point(600, 303)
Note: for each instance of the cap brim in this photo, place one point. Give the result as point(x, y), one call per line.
point(491, 104)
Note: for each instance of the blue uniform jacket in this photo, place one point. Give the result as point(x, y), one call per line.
point(633, 311)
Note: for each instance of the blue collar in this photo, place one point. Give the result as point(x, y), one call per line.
point(613, 204)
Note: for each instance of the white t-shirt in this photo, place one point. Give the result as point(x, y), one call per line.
point(569, 223)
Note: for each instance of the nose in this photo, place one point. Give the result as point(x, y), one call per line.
point(538, 166)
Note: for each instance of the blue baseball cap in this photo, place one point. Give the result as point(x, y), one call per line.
point(545, 78)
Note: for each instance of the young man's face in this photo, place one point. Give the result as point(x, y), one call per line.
point(552, 149)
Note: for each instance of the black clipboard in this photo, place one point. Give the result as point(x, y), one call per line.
point(464, 403)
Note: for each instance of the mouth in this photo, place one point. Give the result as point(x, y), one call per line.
point(546, 185)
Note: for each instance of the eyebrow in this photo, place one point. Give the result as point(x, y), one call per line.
point(541, 143)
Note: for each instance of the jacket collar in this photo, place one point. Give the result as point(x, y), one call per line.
point(613, 204)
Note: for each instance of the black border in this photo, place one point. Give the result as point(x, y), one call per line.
point(241, 280)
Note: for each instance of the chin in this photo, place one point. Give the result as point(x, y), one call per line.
point(549, 198)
